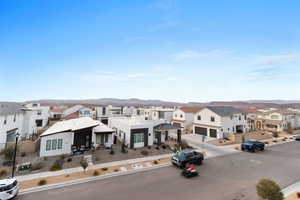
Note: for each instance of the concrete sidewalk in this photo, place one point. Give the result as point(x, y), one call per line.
point(91, 167)
point(291, 189)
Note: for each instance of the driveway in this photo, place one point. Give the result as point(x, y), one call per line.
point(211, 150)
point(228, 177)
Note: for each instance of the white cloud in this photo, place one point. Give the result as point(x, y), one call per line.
point(277, 59)
point(192, 54)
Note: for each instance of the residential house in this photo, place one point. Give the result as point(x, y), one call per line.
point(134, 132)
point(11, 121)
point(56, 113)
point(161, 114)
point(105, 112)
point(78, 111)
point(79, 134)
point(217, 121)
point(184, 116)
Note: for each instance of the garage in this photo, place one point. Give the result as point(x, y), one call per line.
point(201, 131)
point(213, 133)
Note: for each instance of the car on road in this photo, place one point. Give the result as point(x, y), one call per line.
point(181, 158)
point(297, 137)
point(252, 145)
point(9, 188)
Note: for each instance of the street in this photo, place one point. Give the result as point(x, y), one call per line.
point(226, 177)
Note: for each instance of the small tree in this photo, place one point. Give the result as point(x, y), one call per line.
point(269, 190)
point(84, 164)
point(9, 153)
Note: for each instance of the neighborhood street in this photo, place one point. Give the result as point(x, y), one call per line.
point(228, 177)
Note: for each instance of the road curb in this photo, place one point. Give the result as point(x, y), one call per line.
point(89, 179)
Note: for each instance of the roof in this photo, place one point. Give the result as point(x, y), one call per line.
point(72, 109)
point(10, 108)
point(72, 116)
point(57, 110)
point(190, 109)
point(102, 128)
point(71, 125)
point(224, 111)
point(166, 126)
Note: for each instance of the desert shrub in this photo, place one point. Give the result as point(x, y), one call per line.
point(23, 154)
point(266, 142)
point(84, 164)
point(112, 152)
point(37, 165)
point(42, 182)
point(96, 173)
point(134, 149)
point(144, 152)
point(8, 153)
point(104, 169)
point(149, 147)
point(155, 162)
point(56, 166)
point(274, 141)
point(275, 134)
point(3, 173)
point(157, 147)
point(97, 159)
point(236, 148)
point(116, 170)
point(62, 157)
point(163, 146)
point(268, 189)
point(69, 159)
point(184, 145)
point(68, 175)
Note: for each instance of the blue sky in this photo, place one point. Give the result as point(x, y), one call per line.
point(178, 50)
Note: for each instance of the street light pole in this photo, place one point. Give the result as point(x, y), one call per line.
point(15, 154)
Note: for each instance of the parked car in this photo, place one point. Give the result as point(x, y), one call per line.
point(181, 158)
point(252, 145)
point(297, 137)
point(9, 188)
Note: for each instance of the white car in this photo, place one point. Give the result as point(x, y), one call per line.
point(9, 188)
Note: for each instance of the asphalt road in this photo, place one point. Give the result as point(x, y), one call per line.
point(231, 177)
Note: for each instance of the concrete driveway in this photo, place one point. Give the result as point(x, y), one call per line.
point(229, 177)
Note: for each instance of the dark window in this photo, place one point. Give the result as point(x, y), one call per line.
point(39, 122)
point(181, 116)
point(15, 118)
point(5, 121)
point(39, 112)
point(212, 119)
point(240, 118)
point(199, 117)
point(103, 111)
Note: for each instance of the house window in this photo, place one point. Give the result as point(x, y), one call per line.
point(48, 145)
point(103, 111)
point(181, 116)
point(15, 118)
point(138, 138)
point(199, 117)
point(5, 120)
point(39, 112)
point(175, 115)
point(240, 118)
point(39, 122)
point(212, 119)
point(59, 143)
point(54, 144)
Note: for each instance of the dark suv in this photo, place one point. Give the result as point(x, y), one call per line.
point(253, 145)
point(181, 158)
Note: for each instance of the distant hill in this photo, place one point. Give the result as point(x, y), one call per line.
point(141, 102)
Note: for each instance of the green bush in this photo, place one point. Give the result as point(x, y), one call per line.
point(104, 169)
point(269, 190)
point(42, 182)
point(3, 173)
point(56, 167)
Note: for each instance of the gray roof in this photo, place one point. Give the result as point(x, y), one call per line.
point(224, 111)
point(8, 108)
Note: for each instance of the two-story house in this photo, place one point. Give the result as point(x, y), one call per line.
point(184, 116)
point(217, 121)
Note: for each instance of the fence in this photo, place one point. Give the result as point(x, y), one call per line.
point(238, 138)
point(26, 146)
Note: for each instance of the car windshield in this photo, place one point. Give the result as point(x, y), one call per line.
point(181, 155)
point(251, 141)
point(8, 187)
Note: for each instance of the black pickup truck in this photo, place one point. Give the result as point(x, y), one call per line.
point(253, 146)
point(181, 158)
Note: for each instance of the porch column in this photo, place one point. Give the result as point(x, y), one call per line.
point(179, 136)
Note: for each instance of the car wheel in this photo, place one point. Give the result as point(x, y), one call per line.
point(243, 149)
point(199, 162)
point(262, 149)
